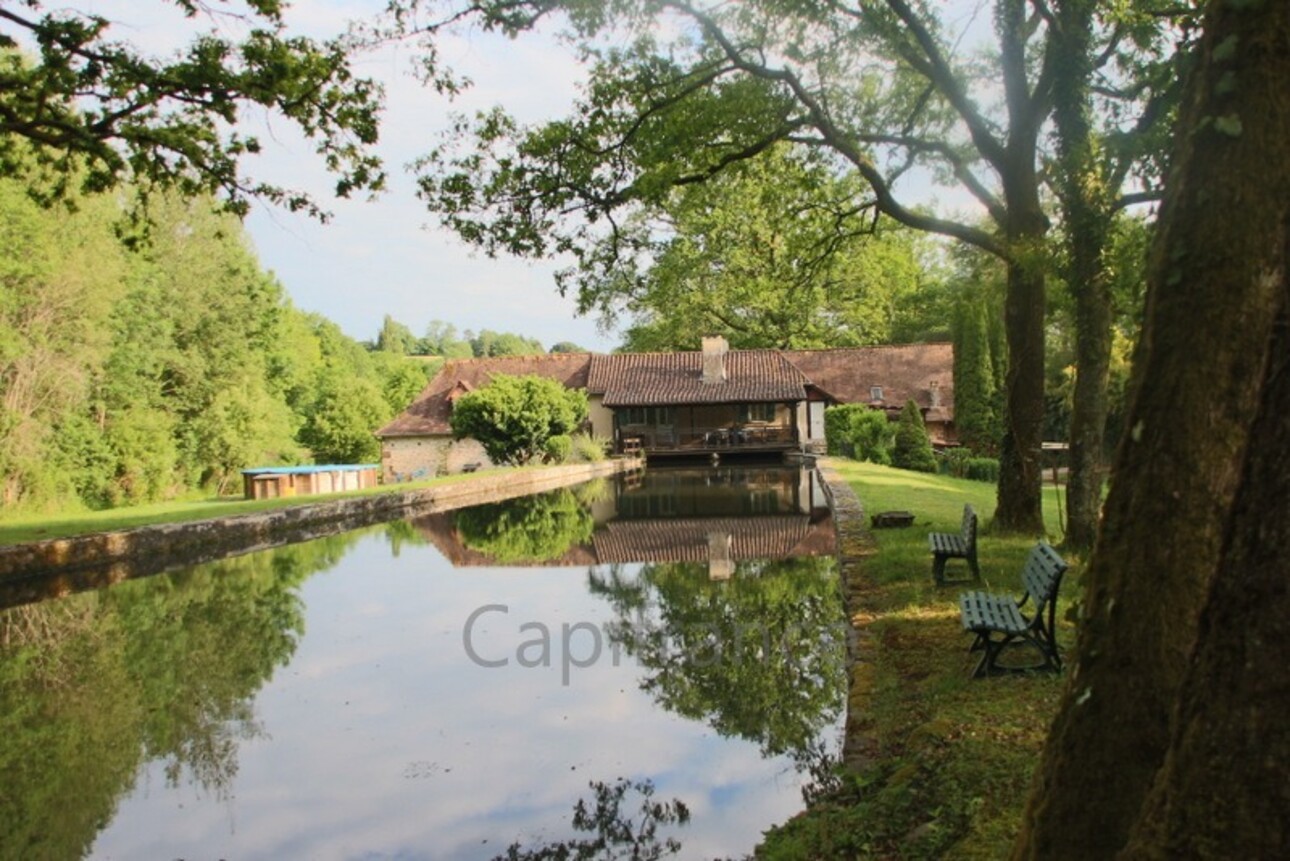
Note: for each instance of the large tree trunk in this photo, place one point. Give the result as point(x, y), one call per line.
point(1224, 791)
point(1020, 507)
point(1089, 405)
point(1215, 288)
point(1020, 477)
point(1020, 470)
point(1086, 205)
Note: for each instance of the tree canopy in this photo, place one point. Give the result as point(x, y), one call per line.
point(515, 417)
point(680, 92)
point(94, 109)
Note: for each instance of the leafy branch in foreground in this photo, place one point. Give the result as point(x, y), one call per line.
point(95, 110)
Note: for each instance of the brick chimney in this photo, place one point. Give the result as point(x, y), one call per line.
point(714, 359)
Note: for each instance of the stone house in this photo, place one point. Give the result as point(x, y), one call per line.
point(715, 400)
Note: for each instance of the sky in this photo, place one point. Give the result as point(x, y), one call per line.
point(388, 255)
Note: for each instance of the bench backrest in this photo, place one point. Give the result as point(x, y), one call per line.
point(1042, 574)
point(969, 526)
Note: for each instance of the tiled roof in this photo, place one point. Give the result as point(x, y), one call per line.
point(655, 379)
point(441, 530)
point(904, 371)
point(664, 540)
point(847, 375)
point(687, 539)
point(431, 411)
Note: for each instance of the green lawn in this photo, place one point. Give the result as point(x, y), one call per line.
point(952, 756)
point(27, 527)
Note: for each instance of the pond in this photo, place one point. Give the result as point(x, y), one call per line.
point(442, 687)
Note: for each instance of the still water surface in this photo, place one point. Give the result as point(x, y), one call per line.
point(439, 688)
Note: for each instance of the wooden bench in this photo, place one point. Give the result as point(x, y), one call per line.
point(997, 621)
point(948, 545)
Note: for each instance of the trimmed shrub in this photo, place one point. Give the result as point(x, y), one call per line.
point(983, 469)
point(913, 448)
point(515, 417)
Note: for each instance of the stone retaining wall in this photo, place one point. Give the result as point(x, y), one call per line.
point(106, 557)
point(855, 544)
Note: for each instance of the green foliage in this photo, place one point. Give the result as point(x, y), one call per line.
point(132, 374)
point(514, 417)
point(616, 833)
point(913, 448)
point(859, 432)
point(538, 528)
point(771, 253)
point(983, 469)
point(977, 402)
point(396, 338)
point(490, 343)
point(589, 449)
point(953, 462)
point(339, 425)
point(558, 448)
point(1125, 261)
point(760, 656)
point(962, 463)
point(401, 379)
point(955, 783)
point(567, 347)
point(441, 340)
point(93, 110)
point(96, 685)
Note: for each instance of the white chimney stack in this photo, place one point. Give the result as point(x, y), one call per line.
point(714, 359)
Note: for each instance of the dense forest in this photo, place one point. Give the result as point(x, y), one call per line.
point(137, 368)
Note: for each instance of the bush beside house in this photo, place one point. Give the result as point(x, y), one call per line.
point(913, 448)
point(520, 419)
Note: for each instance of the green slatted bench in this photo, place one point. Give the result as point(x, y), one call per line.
point(997, 621)
point(949, 545)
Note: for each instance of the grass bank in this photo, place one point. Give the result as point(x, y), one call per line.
point(23, 528)
point(946, 760)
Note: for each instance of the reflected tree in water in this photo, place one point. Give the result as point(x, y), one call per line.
point(94, 685)
point(528, 529)
point(615, 833)
point(761, 656)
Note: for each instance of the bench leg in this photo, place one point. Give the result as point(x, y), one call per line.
point(938, 568)
point(989, 663)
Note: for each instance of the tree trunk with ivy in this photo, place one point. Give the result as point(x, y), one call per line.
point(1217, 284)
point(1087, 198)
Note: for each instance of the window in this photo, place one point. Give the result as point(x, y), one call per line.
point(655, 416)
point(757, 413)
point(875, 393)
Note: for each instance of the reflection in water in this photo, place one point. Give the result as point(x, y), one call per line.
point(165, 669)
point(761, 656)
point(717, 516)
point(188, 714)
point(526, 530)
point(616, 833)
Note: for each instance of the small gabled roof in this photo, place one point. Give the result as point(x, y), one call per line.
point(431, 412)
point(904, 371)
point(672, 379)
